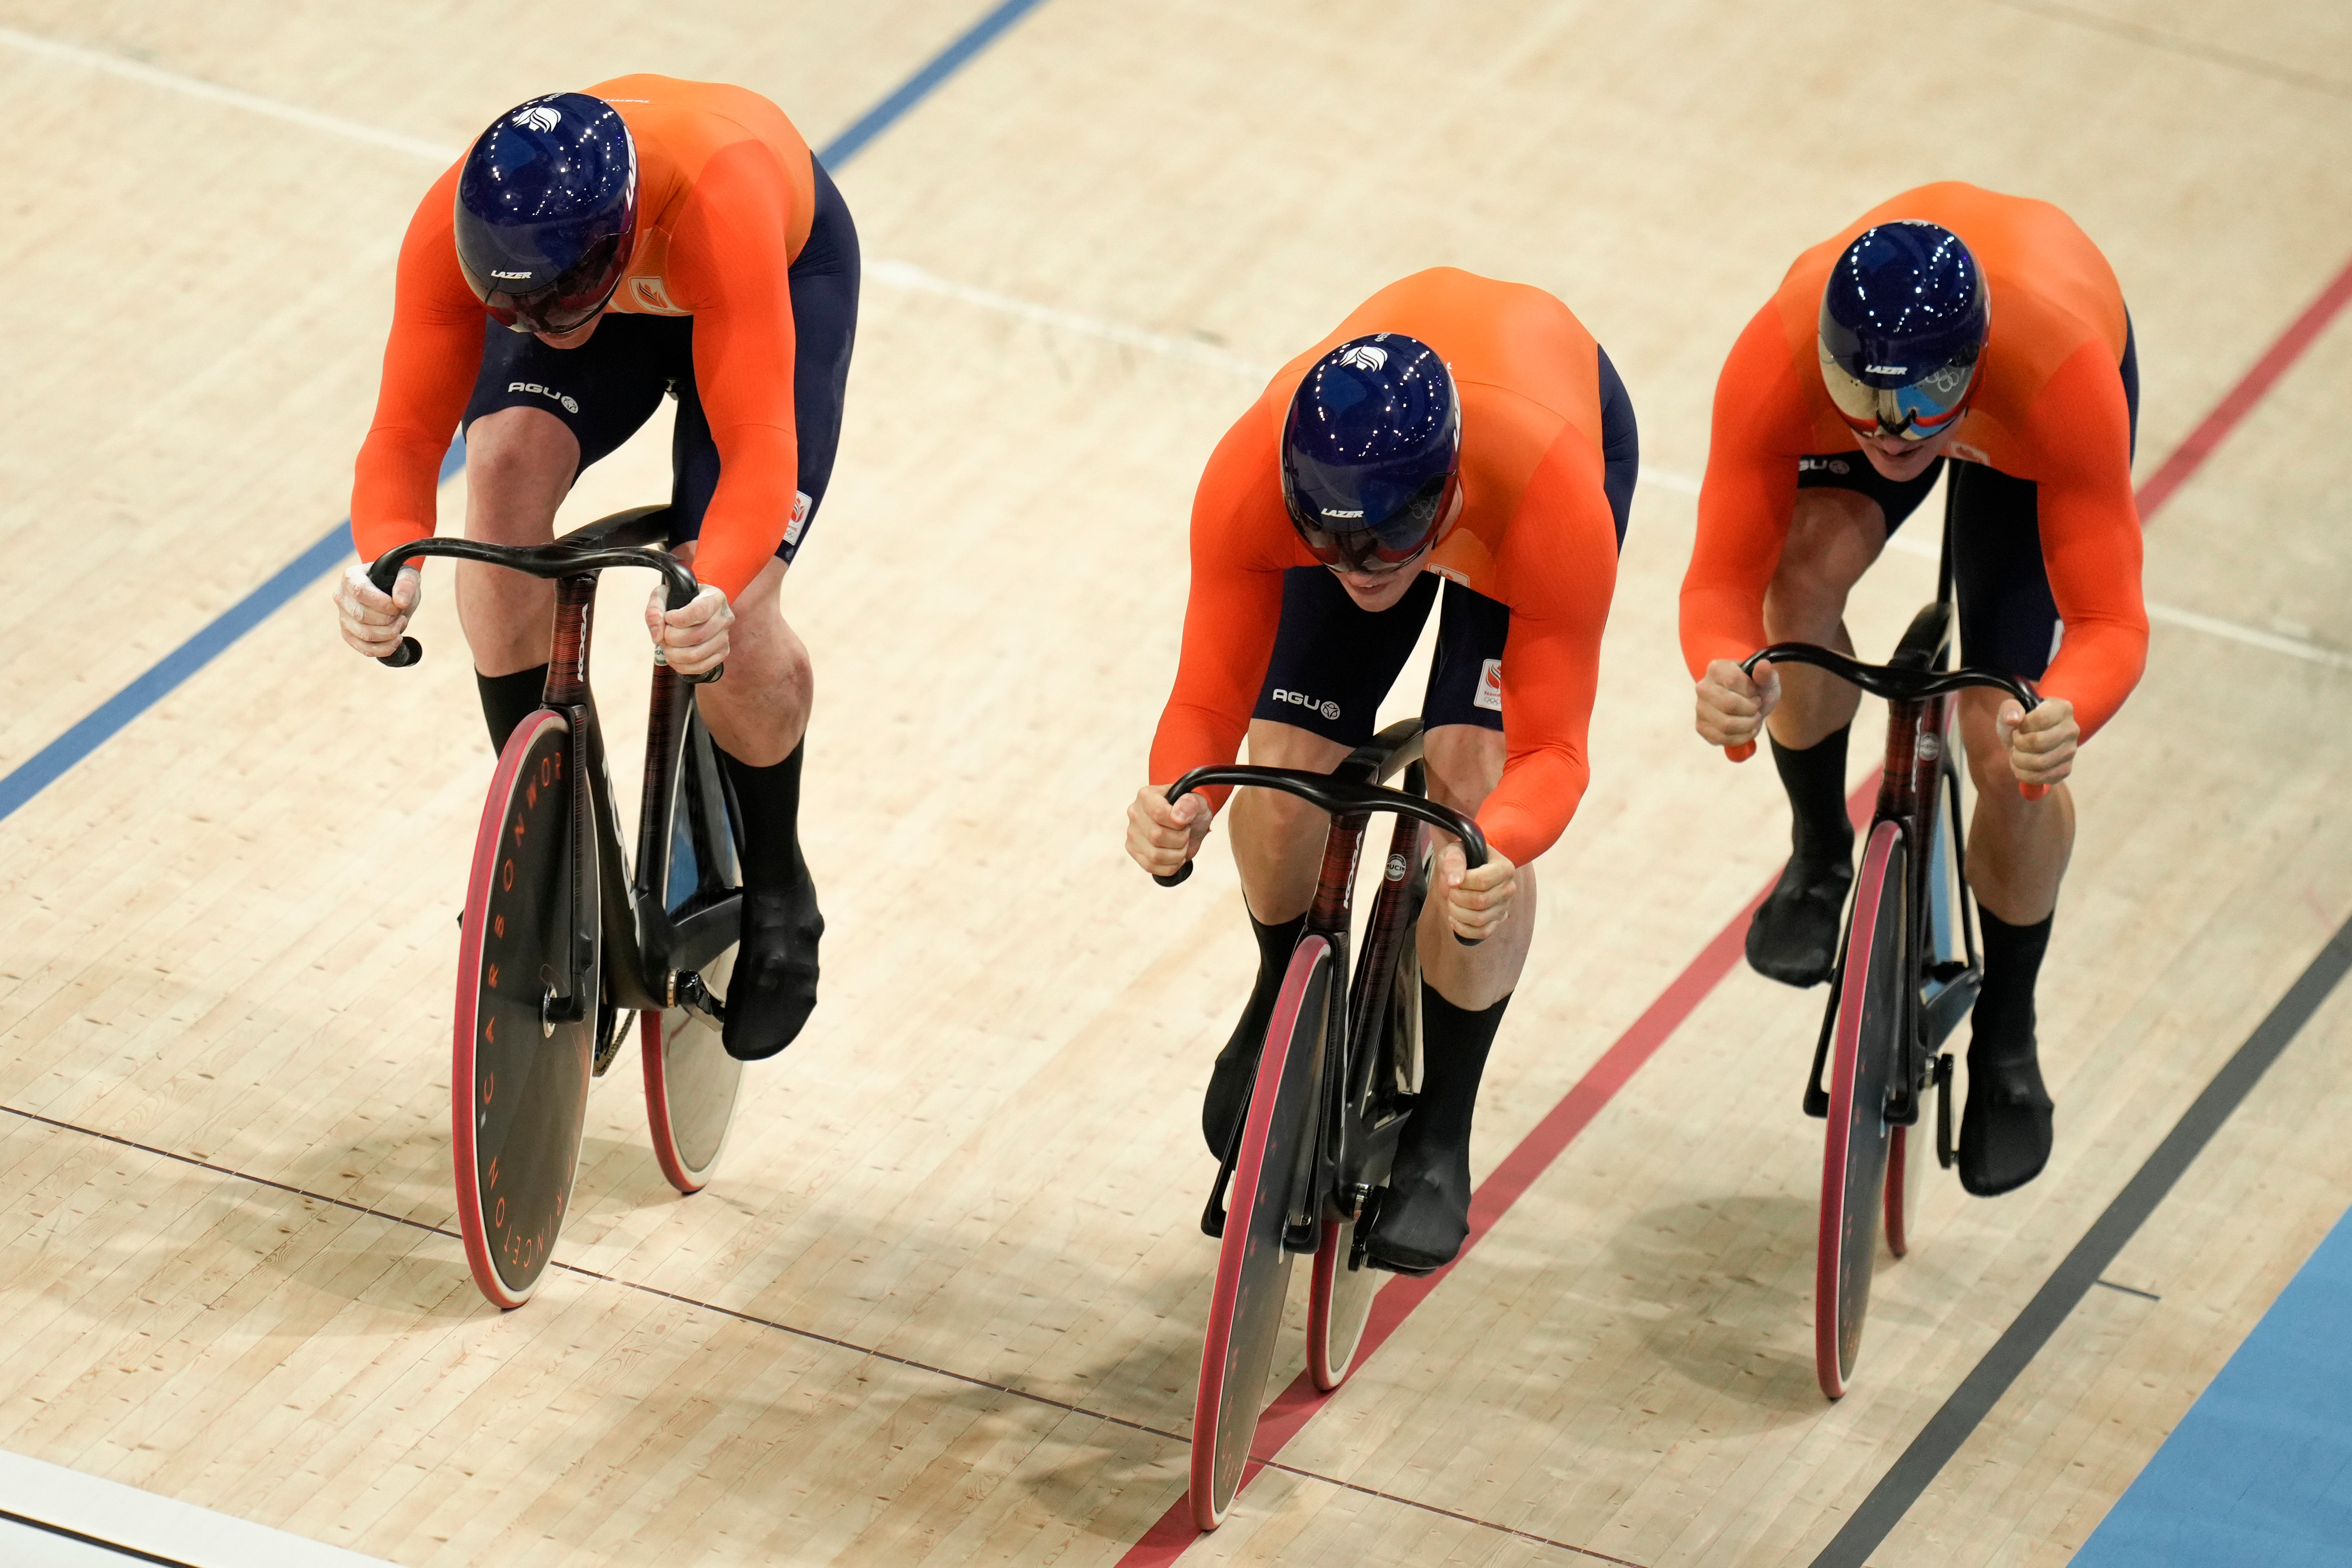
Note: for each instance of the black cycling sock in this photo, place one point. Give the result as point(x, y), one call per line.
point(1229, 1081)
point(1454, 1042)
point(508, 699)
point(772, 988)
point(1425, 1217)
point(2013, 963)
point(1819, 831)
point(771, 800)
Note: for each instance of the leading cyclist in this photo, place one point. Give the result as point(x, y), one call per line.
point(1451, 428)
point(591, 251)
point(1950, 322)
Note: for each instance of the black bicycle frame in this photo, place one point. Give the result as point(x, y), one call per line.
point(1351, 1154)
point(658, 965)
point(1917, 685)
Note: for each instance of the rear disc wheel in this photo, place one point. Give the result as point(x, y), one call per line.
point(691, 1083)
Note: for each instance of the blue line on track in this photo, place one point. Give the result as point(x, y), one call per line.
point(50, 763)
point(919, 86)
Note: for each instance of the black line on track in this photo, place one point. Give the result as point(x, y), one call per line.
point(2173, 43)
point(98, 1540)
point(756, 1320)
point(1969, 1404)
point(2129, 1289)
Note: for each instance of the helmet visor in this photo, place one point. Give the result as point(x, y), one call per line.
point(570, 302)
point(1919, 412)
point(1390, 543)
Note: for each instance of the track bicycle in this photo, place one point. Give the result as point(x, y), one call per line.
point(1907, 972)
point(560, 948)
point(1334, 1085)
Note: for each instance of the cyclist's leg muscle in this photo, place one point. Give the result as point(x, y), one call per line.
point(1834, 535)
point(759, 709)
point(1465, 763)
point(1278, 839)
point(2018, 848)
point(519, 466)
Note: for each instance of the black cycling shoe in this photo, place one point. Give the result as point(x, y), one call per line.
point(773, 986)
point(1793, 938)
point(1424, 1212)
point(2005, 1127)
point(1229, 1087)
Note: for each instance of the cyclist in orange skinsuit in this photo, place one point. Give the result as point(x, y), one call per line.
point(1801, 494)
point(1294, 637)
point(724, 273)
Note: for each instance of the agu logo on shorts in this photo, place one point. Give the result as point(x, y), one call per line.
point(1329, 709)
point(1490, 686)
point(571, 405)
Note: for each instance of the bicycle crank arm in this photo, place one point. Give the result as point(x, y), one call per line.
point(687, 990)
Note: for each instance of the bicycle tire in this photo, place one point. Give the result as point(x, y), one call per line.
point(1340, 1297)
point(518, 1083)
point(691, 1083)
point(1245, 1306)
point(1864, 1049)
point(1909, 1157)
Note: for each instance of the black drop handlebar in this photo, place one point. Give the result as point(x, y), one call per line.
point(1335, 796)
point(1894, 682)
point(557, 560)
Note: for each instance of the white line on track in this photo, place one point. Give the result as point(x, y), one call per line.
point(335, 124)
point(906, 276)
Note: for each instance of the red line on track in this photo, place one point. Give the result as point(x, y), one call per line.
point(1297, 1404)
point(2190, 455)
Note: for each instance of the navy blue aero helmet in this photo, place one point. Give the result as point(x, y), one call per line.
point(547, 212)
point(1903, 321)
point(1372, 452)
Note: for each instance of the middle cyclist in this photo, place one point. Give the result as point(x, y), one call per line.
point(1453, 427)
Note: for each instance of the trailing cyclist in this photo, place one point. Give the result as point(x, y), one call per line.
point(1453, 427)
point(590, 252)
point(1950, 324)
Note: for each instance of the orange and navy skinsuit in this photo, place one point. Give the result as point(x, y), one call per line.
point(2049, 407)
point(725, 198)
point(1534, 534)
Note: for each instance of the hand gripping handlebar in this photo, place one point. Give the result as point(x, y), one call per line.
point(1894, 683)
point(1338, 796)
point(556, 560)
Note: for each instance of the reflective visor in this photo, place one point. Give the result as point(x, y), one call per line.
point(1919, 411)
point(571, 300)
point(1389, 543)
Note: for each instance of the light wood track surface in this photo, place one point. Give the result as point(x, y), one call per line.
point(944, 1300)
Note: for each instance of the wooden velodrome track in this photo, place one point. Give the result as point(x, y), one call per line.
point(944, 1301)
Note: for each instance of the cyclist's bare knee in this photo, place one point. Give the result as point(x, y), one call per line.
point(519, 465)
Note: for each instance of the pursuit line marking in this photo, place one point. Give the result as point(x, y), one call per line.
point(905, 275)
point(2189, 620)
point(754, 1319)
point(213, 92)
point(2173, 43)
point(1868, 1526)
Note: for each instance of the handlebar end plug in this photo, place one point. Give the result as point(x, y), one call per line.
point(1170, 881)
point(1741, 752)
point(409, 651)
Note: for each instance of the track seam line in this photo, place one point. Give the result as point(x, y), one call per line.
point(2175, 44)
point(835, 1342)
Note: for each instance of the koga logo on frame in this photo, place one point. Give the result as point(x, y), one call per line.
point(1330, 710)
point(570, 405)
